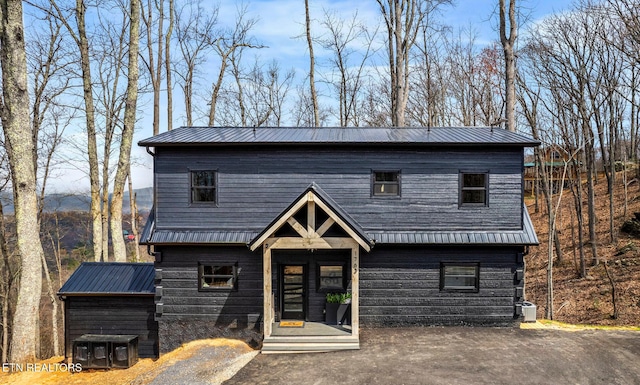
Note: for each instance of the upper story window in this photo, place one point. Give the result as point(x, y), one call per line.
point(385, 183)
point(204, 186)
point(473, 188)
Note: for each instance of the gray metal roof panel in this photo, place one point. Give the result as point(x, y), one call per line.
point(212, 136)
point(110, 278)
point(526, 236)
point(201, 237)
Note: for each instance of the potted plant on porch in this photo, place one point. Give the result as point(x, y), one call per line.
point(336, 308)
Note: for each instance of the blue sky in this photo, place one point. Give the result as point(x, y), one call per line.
point(281, 28)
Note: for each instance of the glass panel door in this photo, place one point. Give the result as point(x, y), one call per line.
point(293, 292)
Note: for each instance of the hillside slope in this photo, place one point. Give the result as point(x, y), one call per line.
point(588, 300)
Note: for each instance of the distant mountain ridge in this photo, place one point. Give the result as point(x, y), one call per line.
point(80, 202)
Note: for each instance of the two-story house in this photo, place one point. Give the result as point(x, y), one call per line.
point(251, 228)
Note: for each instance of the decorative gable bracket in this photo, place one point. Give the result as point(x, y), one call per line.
point(311, 235)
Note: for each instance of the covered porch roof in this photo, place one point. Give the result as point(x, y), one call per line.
point(314, 194)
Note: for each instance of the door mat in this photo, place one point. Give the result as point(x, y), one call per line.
point(291, 324)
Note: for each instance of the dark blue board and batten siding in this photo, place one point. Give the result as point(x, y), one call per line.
point(401, 286)
point(255, 184)
point(187, 314)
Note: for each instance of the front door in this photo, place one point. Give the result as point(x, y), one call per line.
point(293, 291)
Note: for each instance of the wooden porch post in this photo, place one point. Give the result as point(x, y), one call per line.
point(355, 291)
point(267, 292)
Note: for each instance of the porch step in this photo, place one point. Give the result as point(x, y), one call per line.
point(300, 344)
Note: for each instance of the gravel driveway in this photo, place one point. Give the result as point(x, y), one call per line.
point(460, 355)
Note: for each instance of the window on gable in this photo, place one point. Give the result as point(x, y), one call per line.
point(385, 183)
point(459, 276)
point(473, 189)
point(217, 276)
point(203, 186)
point(331, 276)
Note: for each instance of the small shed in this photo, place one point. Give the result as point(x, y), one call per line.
point(111, 298)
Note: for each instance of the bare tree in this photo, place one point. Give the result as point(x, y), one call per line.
point(119, 249)
point(508, 35)
point(110, 50)
point(167, 62)
point(462, 69)
point(348, 65)
point(20, 147)
point(258, 96)
point(195, 30)
point(312, 70)
point(427, 104)
point(154, 67)
point(568, 65)
point(79, 35)
point(403, 21)
point(224, 46)
point(49, 69)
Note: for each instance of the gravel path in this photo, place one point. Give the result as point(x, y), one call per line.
point(207, 366)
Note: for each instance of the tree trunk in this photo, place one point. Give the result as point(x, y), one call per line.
point(591, 210)
point(134, 218)
point(508, 43)
point(51, 292)
point(167, 62)
point(549, 310)
point(92, 146)
point(119, 249)
point(7, 284)
point(398, 115)
point(312, 81)
point(216, 90)
point(104, 213)
point(158, 77)
point(614, 297)
point(20, 146)
point(577, 199)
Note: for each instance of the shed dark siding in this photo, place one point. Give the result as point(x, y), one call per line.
point(254, 185)
point(401, 286)
point(189, 314)
point(112, 315)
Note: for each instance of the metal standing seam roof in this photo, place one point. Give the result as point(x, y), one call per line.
point(525, 237)
point(440, 136)
point(110, 278)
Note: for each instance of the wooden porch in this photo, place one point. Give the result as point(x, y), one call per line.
point(312, 337)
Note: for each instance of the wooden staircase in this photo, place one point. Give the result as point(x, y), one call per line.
point(308, 344)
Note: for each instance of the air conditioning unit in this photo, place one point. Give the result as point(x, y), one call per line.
point(528, 311)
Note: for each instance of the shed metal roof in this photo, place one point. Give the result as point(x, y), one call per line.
point(110, 278)
point(436, 136)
